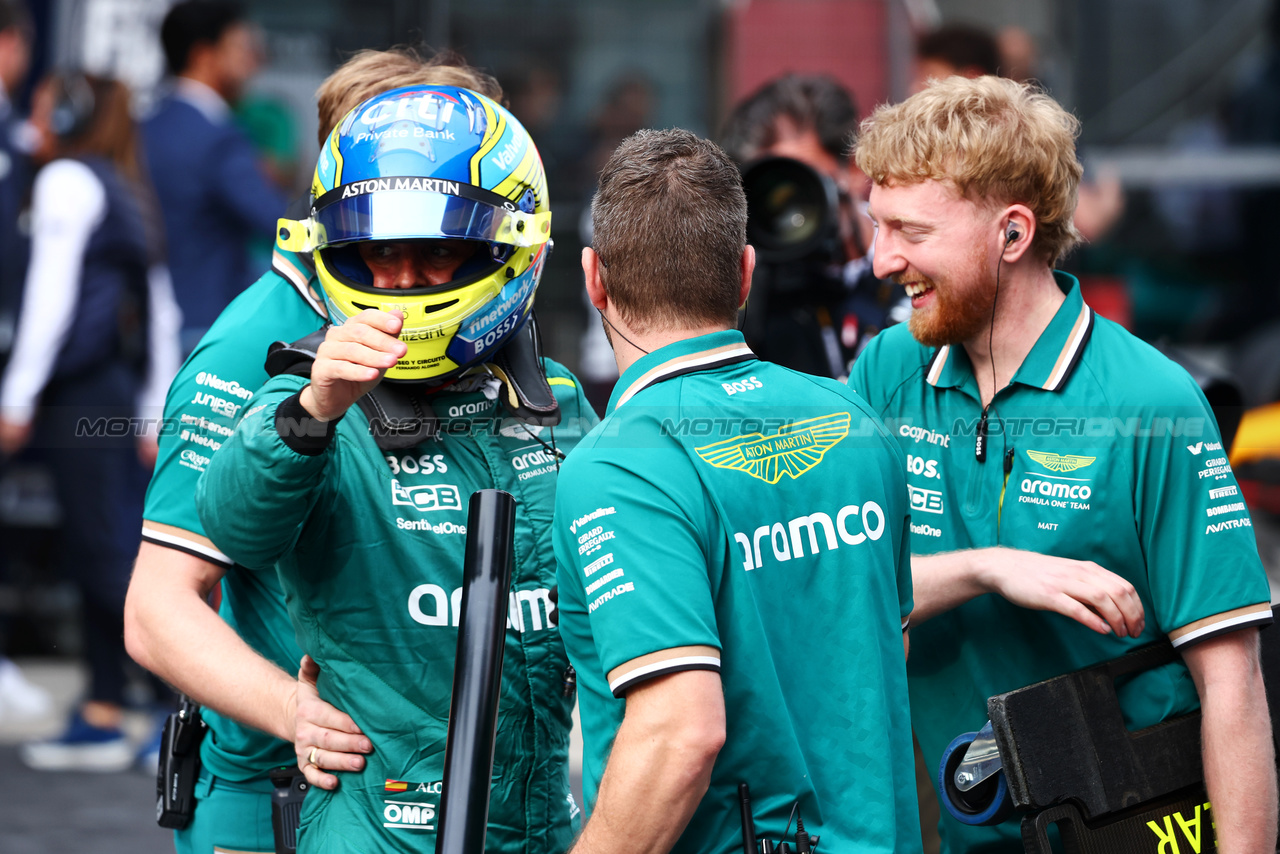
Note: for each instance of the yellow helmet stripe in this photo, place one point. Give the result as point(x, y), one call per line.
point(497, 125)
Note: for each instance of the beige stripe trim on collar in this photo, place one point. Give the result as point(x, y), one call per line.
point(692, 360)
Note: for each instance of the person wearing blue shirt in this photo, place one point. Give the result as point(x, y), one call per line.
point(213, 192)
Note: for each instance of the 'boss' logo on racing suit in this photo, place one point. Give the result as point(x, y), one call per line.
point(427, 497)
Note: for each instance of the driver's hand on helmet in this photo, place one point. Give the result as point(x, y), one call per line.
point(351, 361)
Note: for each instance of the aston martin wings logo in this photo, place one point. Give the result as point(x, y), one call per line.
point(1060, 462)
point(792, 451)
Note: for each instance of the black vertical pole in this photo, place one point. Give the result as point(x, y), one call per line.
point(477, 675)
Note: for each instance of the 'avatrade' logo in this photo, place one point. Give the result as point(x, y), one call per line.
point(1060, 462)
point(793, 450)
point(431, 496)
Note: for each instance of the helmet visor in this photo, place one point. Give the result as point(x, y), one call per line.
point(407, 215)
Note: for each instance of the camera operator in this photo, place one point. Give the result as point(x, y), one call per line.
point(815, 301)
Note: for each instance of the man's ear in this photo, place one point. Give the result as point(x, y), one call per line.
point(748, 267)
point(595, 287)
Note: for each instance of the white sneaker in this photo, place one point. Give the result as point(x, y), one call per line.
point(20, 697)
point(82, 747)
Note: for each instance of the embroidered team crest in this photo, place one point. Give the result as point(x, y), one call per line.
point(792, 451)
point(1060, 462)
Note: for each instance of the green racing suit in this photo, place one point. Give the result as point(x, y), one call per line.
point(369, 549)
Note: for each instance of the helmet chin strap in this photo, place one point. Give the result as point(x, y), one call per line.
point(525, 391)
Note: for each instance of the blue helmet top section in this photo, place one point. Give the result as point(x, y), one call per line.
point(410, 131)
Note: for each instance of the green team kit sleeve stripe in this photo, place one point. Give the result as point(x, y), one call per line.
point(640, 557)
point(188, 542)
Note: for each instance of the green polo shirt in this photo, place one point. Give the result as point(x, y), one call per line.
point(736, 516)
point(1100, 449)
point(202, 406)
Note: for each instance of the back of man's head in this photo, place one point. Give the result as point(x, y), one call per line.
point(13, 13)
point(808, 102)
point(372, 72)
point(971, 51)
point(670, 226)
point(15, 45)
point(195, 22)
point(994, 140)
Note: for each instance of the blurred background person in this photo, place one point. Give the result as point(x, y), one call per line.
point(814, 302)
point(18, 697)
point(81, 355)
point(955, 49)
point(15, 59)
point(213, 191)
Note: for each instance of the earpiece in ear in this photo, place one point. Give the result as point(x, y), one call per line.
point(1011, 234)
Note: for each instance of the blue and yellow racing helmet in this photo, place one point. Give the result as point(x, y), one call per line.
point(431, 162)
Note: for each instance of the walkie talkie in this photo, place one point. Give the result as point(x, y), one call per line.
point(179, 765)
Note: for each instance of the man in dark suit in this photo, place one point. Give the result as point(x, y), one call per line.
point(214, 195)
point(15, 176)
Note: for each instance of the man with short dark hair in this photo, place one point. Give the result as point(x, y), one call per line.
point(726, 514)
point(955, 49)
point(213, 193)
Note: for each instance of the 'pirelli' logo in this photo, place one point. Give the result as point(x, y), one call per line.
point(793, 450)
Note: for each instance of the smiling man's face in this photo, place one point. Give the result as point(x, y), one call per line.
point(938, 245)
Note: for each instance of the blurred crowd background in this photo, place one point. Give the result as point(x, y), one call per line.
point(1179, 100)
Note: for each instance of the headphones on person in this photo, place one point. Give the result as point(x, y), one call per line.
point(73, 108)
point(1011, 234)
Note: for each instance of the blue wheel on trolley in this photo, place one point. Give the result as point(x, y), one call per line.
point(987, 803)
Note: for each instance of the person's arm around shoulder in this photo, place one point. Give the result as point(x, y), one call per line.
point(662, 756)
point(170, 630)
point(1239, 757)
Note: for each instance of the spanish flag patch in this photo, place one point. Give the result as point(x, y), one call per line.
point(395, 786)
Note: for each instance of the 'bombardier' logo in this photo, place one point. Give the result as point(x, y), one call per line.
point(1060, 462)
point(792, 451)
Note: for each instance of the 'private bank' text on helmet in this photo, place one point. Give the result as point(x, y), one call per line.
point(433, 163)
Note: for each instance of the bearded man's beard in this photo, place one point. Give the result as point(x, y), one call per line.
point(957, 314)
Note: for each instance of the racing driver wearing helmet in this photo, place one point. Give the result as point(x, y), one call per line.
point(429, 229)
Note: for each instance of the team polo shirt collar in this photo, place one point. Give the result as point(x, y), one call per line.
point(1051, 361)
point(702, 353)
point(299, 271)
